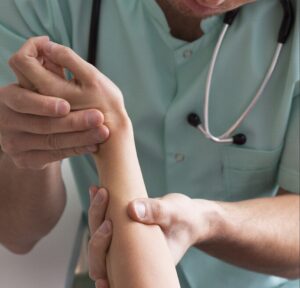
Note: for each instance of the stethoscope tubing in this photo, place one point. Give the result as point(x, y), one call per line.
point(193, 118)
point(226, 137)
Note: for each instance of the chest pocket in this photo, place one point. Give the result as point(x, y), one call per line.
point(249, 173)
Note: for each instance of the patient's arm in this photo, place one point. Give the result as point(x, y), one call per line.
point(139, 256)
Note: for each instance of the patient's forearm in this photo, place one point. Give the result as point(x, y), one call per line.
point(138, 256)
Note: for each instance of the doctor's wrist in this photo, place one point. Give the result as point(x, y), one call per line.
point(209, 223)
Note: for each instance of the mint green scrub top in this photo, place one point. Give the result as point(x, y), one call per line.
point(163, 80)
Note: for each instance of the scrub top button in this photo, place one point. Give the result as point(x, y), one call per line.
point(179, 157)
point(187, 53)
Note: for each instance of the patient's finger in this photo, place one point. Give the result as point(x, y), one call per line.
point(67, 58)
point(27, 60)
point(56, 69)
point(22, 80)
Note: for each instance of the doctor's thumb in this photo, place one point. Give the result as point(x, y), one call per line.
point(149, 211)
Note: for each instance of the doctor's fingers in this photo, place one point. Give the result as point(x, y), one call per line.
point(97, 210)
point(27, 102)
point(98, 247)
point(38, 160)
point(74, 122)
point(151, 211)
point(17, 142)
point(102, 284)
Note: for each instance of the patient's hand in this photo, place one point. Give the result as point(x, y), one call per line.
point(88, 88)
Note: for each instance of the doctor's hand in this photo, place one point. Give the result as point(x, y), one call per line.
point(101, 235)
point(184, 222)
point(36, 128)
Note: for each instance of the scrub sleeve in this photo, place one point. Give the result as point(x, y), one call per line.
point(289, 175)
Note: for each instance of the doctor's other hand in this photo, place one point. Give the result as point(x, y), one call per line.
point(184, 222)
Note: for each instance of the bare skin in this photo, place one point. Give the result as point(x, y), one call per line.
point(36, 133)
point(31, 137)
point(116, 162)
point(184, 16)
point(241, 212)
point(249, 234)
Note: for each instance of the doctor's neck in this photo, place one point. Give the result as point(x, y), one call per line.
point(182, 25)
point(185, 16)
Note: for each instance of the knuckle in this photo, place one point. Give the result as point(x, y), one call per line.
point(65, 52)
point(47, 126)
point(21, 161)
point(158, 210)
point(25, 161)
point(9, 144)
point(17, 101)
point(5, 118)
point(95, 81)
point(11, 61)
point(31, 40)
point(77, 151)
point(18, 57)
point(52, 142)
point(56, 155)
point(73, 123)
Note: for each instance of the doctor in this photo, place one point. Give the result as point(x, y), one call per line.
point(241, 209)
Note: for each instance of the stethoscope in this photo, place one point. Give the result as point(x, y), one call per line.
point(193, 118)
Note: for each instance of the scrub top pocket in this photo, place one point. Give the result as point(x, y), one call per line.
point(249, 173)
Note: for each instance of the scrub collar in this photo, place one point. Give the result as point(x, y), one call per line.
point(208, 25)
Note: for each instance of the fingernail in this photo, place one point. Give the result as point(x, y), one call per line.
point(92, 149)
point(62, 107)
point(93, 119)
point(48, 47)
point(99, 197)
point(98, 136)
point(140, 209)
point(105, 228)
point(92, 193)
